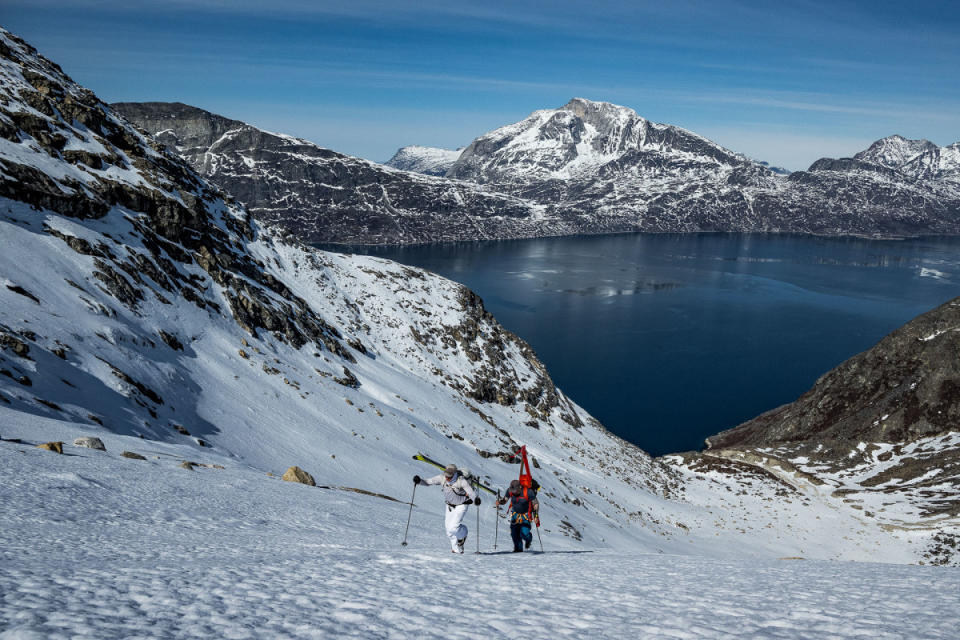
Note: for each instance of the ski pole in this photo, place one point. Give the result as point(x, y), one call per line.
point(539, 539)
point(496, 528)
point(476, 489)
point(410, 513)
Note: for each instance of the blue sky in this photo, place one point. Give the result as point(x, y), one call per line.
point(787, 83)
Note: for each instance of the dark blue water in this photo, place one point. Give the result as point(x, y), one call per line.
point(668, 339)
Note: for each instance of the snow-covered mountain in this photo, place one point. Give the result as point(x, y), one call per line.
point(895, 187)
point(921, 160)
point(431, 161)
point(895, 151)
point(324, 196)
point(140, 306)
point(138, 301)
point(585, 142)
point(604, 168)
point(604, 163)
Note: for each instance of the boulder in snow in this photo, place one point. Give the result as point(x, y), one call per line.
point(51, 446)
point(296, 474)
point(132, 455)
point(90, 442)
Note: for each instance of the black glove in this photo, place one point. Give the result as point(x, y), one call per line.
point(468, 501)
point(477, 501)
point(416, 479)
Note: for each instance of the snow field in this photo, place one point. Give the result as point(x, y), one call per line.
point(98, 546)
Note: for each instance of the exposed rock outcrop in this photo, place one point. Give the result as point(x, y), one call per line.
point(296, 474)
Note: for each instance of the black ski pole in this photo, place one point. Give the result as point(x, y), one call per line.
point(476, 489)
point(496, 528)
point(410, 513)
point(538, 535)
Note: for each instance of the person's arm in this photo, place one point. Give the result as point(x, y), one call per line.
point(434, 480)
point(465, 485)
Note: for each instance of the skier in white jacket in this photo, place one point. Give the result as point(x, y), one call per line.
point(457, 493)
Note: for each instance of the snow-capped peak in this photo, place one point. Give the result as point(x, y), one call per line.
point(578, 139)
point(431, 161)
point(895, 151)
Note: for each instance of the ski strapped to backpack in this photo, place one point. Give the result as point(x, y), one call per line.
point(526, 478)
point(527, 482)
point(423, 458)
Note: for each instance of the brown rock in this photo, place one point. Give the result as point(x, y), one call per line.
point(56, 447)
point(132, 455)
point(186, 464)
point(296, 474)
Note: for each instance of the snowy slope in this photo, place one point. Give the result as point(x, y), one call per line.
point(98, 546)
point(431, 161)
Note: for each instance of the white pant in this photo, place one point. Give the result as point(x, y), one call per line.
point(454, 524)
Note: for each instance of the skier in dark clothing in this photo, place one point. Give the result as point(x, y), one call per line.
point(524, 510)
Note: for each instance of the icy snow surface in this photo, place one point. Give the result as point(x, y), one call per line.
point(98, 546)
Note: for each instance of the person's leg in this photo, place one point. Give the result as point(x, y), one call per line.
point(517, 537)
point(527, 534)
point(453, 522)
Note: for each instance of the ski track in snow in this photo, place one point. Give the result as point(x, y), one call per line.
point(97, 546)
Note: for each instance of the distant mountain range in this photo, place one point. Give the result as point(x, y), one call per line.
point(325, 196)
point(586, 167)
